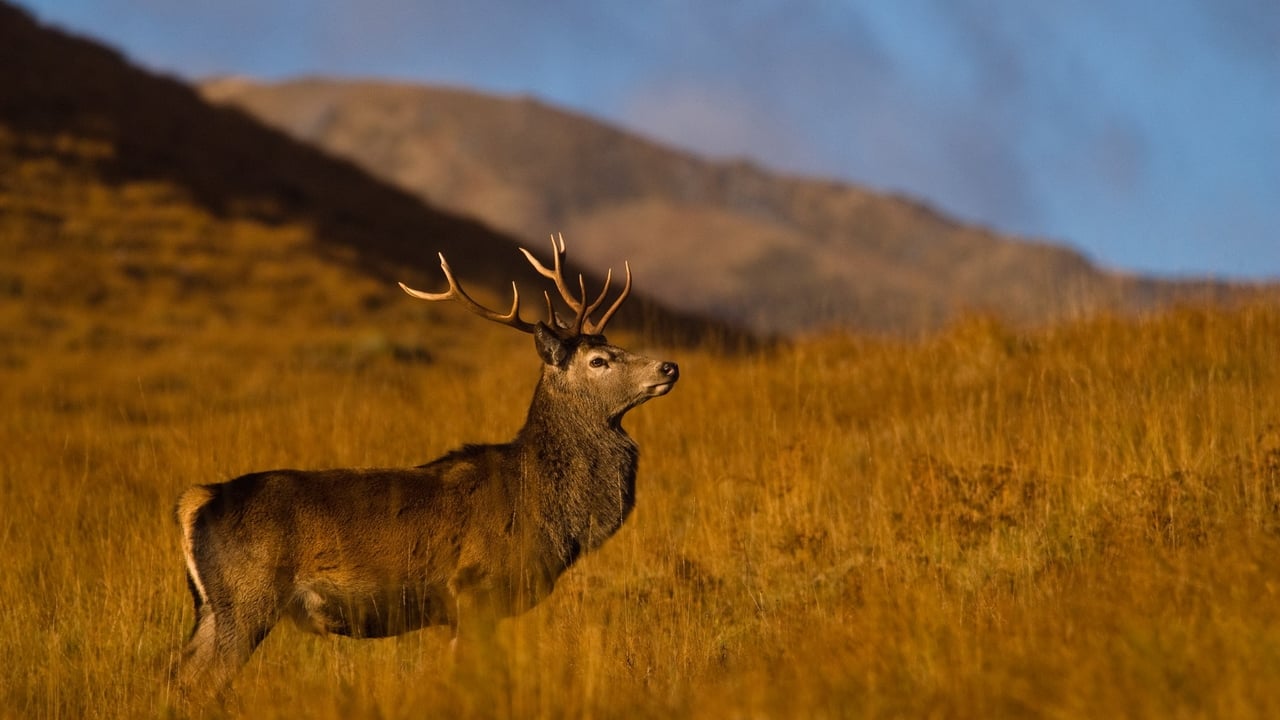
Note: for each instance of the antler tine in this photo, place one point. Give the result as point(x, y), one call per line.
point(552, 319)
point(608, 278)
point(455, 292)
point(556, 273)
point(598, 328)
point(582, 306)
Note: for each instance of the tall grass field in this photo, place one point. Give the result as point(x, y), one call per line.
point(1074, 521)
point(1080, 521)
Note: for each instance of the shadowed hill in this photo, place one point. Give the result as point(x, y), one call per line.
point(772, 252)
point(75, 101)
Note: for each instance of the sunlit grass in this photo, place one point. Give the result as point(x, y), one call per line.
point(1080, 521)
point(1076, 522)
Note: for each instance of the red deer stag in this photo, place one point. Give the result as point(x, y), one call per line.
point(477, 535)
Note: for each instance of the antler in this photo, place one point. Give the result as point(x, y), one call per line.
point(582, 321)
point(455, 292)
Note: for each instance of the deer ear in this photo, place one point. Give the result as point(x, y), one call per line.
point(551, 348)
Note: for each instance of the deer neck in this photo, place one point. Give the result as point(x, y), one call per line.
point(578, 472)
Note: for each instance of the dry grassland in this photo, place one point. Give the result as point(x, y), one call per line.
point(1082, 521)
point(1072, 523)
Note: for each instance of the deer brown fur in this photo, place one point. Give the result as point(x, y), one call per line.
point(477, 535)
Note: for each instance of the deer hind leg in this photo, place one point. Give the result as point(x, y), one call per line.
point(230, 624)
point(234, 611)
point(197, 657)
point(220, 645)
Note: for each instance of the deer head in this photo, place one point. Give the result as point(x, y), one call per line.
point(575, 354)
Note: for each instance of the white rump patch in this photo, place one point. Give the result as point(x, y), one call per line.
point(189, 503)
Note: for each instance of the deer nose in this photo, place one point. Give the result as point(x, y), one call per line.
point(669, 369)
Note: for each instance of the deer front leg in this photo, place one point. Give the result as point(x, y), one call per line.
point(478, 604)
point(479, 664)
point(474, 627)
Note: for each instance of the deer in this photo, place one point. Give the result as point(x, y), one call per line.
point(477, 535)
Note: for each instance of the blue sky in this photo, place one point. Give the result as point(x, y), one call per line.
point(1144, 133)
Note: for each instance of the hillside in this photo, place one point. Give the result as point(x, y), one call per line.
point(1077, 521)
point(123, 189)
point(774, 253)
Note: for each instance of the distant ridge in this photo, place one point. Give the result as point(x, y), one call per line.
point(771, 252)
point(58, 90)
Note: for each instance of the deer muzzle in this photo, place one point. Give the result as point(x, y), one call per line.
point(668, 372)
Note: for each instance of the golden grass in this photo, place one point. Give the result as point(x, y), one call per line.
point(1082, 521)
point(1078, 522)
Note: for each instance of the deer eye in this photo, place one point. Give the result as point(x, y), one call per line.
point(598, 362)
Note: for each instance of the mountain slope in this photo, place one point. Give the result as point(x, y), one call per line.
point(84, 132)
point(771, 252)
